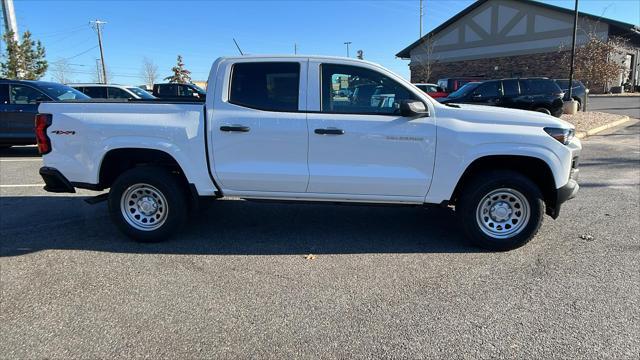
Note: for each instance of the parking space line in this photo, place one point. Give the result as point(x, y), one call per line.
point(21, 185)
point(18, 160)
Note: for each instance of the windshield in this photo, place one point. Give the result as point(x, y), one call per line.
point(62, 92)
point(464, 90)
point(141, 93)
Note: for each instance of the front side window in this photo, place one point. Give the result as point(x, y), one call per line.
point(371, 92)
point(489, 89)
point(25, 95)
point(4, 94)
point(117, 93)
point(270, 86)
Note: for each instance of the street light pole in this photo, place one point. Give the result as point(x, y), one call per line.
point(573, 51)
point(347, 43)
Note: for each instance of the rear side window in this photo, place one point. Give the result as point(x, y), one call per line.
point(270, 86)
point(98, 92)
point(25, 95)
point(539, 87)
point(168, 90)
point(511, 88)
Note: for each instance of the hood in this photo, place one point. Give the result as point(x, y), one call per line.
point(500, 115)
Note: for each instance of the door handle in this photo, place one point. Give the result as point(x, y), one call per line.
point(236, 128)
point(329, 131)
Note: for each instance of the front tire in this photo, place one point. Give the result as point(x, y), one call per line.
point(500, 210)
point(148, 204)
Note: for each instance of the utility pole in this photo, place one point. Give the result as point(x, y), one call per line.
point(420, 18)
point(347, 43)
point(98, 26)
point(573, 51)
point(10, 23)
point(295, 48)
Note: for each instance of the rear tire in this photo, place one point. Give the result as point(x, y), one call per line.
point(543, 110)
point(500, 210)
point(148, 204)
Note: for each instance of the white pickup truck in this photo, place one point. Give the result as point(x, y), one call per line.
point(309, 128)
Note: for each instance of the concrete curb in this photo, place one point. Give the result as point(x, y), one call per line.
point(594, 131)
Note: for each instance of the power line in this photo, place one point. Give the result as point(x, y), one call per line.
point(76, 55)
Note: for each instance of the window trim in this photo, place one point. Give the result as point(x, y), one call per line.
point(321, 111)
point(233, 67)
point(28, 86)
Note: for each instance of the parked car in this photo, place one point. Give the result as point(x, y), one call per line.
point(179, 92)
point(450, 85)
point(271, 130)
point(19, 105)
point(112, 91)
point(536, 94)
point(580, 92)
point(432, 90)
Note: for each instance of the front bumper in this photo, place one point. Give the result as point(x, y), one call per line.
point(567, 192)
point(55, 181)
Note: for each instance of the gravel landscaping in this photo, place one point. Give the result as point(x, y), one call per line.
point(585, 121)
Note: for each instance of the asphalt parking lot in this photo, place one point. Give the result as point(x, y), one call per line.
point(386, 282)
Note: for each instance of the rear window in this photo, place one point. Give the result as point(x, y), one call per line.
point(539, 87)
point(270, 86)
point(98, 92)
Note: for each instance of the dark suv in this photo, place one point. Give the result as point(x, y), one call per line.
point(19, 105)
point(579, 94)
point(537, 94)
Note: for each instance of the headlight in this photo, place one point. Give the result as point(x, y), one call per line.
point(561, 134)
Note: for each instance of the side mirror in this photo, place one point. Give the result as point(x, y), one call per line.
point(413, 108)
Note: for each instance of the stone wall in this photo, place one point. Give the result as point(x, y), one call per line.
point(544, 64)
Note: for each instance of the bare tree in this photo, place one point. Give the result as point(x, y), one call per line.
point(598, 61)
point(428, 59)
point(97, 75)
point(149, 72)
point(61, 70)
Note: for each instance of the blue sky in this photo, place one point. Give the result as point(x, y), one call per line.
point(203, 30)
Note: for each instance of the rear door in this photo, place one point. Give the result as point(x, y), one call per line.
point(363, 146)
point(259, 133)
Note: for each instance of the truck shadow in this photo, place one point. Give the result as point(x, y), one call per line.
point(19, 151)
point(228, 227)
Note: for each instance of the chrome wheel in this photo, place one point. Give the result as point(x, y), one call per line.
point(144, 207)
point(503, 213)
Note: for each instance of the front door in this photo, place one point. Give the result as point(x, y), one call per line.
point(18, 117)
point(360, 144)
point(259, 133)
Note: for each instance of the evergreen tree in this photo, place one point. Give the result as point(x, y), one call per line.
point(180, 74)
point(25, 60)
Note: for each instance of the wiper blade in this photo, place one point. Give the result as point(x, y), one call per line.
point(452, 105)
